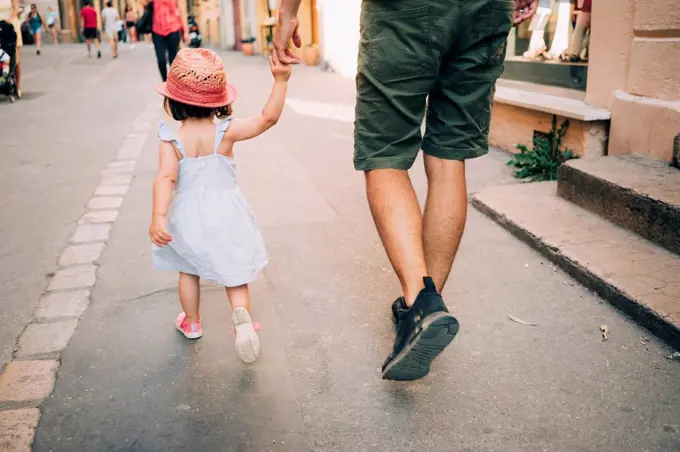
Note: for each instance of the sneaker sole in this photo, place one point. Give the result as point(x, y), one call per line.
point(189, 335)
point(247, 343)
point(413, 362)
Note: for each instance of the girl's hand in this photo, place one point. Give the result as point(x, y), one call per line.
point(158, 233)
point(280, 71)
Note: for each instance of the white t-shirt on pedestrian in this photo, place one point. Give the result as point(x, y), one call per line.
point(110, 17)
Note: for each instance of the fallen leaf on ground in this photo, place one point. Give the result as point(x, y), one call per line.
point(520, 321)
point(605, 332)
point(567, 283)
point(526, 265)
point(674, 356)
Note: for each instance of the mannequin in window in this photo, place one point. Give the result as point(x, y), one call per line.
point(537, 26)
point(579, 39)
point(560, 41)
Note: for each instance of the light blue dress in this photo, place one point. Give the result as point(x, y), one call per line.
point(214, 233)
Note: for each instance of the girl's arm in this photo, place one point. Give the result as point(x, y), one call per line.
point(163, 186)
point(244, 129)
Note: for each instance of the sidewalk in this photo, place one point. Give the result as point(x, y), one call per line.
point(128, 382)
point(54, 142)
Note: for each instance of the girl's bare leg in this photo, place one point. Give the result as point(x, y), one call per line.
point(190, 296)
point(239, 297)
point(247, 343)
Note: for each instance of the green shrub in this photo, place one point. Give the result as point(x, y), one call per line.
point(541, 162)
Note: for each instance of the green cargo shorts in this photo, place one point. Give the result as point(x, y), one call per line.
point(443, 55)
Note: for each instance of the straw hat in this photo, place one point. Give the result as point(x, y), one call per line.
point(197, 77)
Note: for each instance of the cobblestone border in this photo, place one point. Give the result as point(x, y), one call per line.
point(30, 377)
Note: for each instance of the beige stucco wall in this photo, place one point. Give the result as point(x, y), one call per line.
point(657, 17)
point(611, 35)
point(655, 57)
point(634, 71)
point(643, 125)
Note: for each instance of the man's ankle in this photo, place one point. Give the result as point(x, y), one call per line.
point(411, 292)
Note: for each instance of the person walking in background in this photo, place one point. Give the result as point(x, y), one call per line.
point(88, 24)
point(9, 12)
point(432, 59)
point(110, 19)
point(51, 20)
point(35, 25)
point(130, 25)
point(169, 19)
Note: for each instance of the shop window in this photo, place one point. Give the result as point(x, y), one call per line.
point(552, 48)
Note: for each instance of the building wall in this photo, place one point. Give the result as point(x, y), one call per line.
point(634, 71)
point(207, 15)
point(339, 30)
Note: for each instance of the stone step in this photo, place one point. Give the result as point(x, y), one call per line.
point(639, 193)
point(635, 275)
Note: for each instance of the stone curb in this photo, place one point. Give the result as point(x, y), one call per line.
point(643, 315)
point(30, 377)
point(17, 429)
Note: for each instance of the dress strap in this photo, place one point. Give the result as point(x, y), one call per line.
point(165, 134)
point(219, 133)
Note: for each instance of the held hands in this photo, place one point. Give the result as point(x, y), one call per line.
point(287, 30)
point(158, 233)
point(280, 71)
point(524, 9)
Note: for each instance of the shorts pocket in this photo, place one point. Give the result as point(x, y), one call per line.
point(397, 43)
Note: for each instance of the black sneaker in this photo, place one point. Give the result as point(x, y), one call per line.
point(99, 54)
point(398, 306)
point(423, 332)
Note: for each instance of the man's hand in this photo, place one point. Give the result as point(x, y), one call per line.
point(524, 9)
point(287, 29)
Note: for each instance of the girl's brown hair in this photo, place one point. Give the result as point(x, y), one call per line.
point(180, 111)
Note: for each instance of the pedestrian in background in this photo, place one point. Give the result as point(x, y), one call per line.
point(130, 25)
point(35, 25)
point(9, 12)
point(88, 25)
point(432, 59)
point(51, 20)
point(169, 20)
point(201, 224)
point(110, 19)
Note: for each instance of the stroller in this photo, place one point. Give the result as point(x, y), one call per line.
point(8, 48)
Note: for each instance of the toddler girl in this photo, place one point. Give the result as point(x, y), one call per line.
point(201, 224)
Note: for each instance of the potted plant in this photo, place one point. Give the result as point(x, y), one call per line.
point(248, 46)
point(310, 54)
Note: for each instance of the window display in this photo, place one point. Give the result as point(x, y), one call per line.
point(558, 35)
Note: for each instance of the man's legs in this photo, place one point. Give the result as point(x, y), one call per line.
point(420, 245)
point(88, 46)
point(444, 217)
point(397, 217)
point(393, 83)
